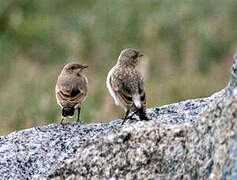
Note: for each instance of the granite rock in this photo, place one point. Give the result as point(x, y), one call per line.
point(154, 150)
point(190, 139)
point(164, 149)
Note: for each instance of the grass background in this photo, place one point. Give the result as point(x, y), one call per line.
point(189, 47)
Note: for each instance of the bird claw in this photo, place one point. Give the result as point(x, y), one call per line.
point(132, 118)
point(62, 124)
point(79, 121)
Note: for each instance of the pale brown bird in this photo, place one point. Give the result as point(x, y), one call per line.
point(71, 89)
point(126, 84)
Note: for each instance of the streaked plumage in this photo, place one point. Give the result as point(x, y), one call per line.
point(71, 89)
point(126, 84)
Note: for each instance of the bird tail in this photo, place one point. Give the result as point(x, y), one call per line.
point(142, 114)
point(138, 108)
point(68, 110)
point(140, 111)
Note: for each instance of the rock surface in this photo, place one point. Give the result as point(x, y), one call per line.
point(191, 139)
point(147, 150)
point(205, 149)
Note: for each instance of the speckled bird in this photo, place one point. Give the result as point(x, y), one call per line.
point(126, 84)
point(71, 89)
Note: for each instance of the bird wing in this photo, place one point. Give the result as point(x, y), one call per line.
point(70, 93)
point(124, 91)
point(123, 94)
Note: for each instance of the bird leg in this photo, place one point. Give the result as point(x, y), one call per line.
point(126, 116)
point(131, 116)
point(61, 122)
point(78, 115)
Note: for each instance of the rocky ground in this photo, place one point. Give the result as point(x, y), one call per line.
point(194, 139)
point(41, 150)
point(155, 150)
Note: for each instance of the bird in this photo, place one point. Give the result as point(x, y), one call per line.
point(126, 84)
point(71, 89)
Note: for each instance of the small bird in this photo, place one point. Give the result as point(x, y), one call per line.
point(71, 89)
point(126, 84)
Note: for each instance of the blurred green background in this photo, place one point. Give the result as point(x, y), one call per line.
point(188, 45)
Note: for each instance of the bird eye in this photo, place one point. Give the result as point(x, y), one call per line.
point(72, 68)
point(135, 56)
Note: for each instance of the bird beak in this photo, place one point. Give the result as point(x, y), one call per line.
point(140, 55)
point(84, 66)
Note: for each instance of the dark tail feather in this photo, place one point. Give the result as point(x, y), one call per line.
point(67, 111)
point(140, 112)
point(142, 115)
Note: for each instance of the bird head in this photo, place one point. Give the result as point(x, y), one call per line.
point(129, 57)
point(74, 68)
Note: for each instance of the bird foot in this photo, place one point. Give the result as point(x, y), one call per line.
point(62, 124)
point(132, 118)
